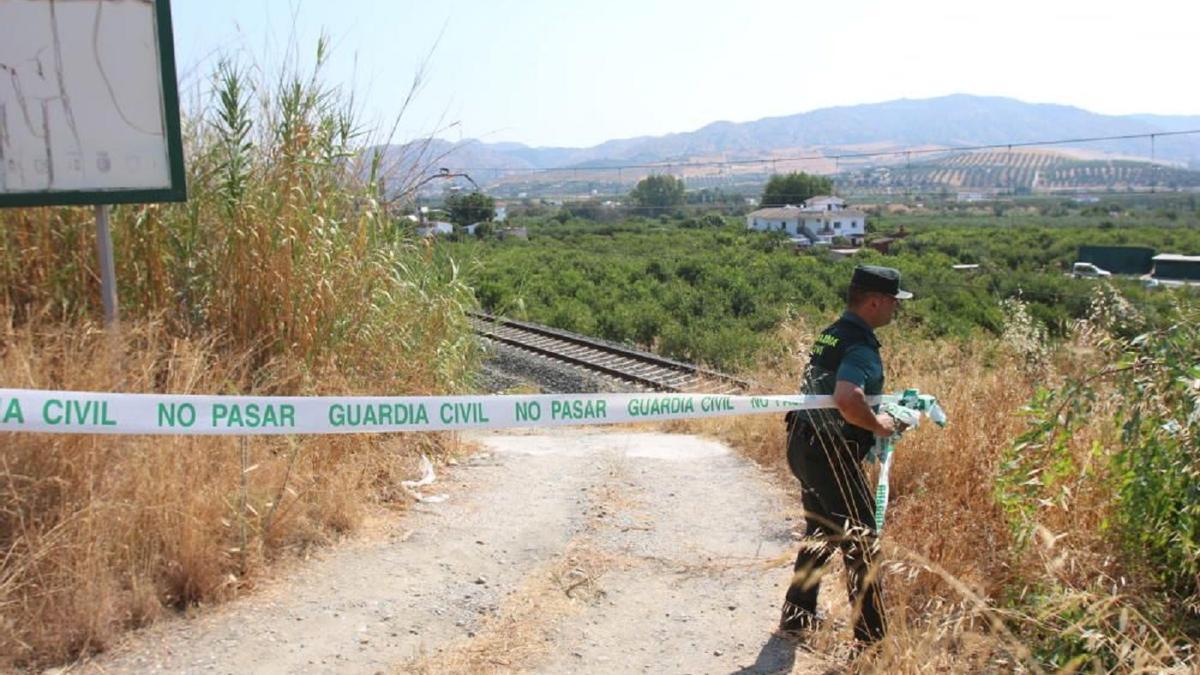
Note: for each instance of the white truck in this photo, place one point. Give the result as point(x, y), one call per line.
point(1087, 270)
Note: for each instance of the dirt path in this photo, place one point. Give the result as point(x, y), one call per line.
point(572, 551)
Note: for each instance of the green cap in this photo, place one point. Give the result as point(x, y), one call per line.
point(877, 279)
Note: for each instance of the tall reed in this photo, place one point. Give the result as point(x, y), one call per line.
point(1000, 556)
point(284, 247)
point(283, 273)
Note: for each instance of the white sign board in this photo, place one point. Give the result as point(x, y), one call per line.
point(89, 110)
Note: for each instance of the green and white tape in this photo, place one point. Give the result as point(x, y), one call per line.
point(74, 412)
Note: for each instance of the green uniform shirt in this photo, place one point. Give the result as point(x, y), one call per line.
point(847, 350)
point(861, 364)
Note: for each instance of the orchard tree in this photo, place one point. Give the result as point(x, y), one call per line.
point(795, 188)
point(657, 192)
point(470, 207)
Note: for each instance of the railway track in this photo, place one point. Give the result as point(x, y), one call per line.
point(644, 370)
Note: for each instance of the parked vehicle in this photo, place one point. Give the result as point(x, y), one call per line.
point(1175, 267)
point(1087, 270)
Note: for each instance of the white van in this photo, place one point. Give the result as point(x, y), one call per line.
point(1087, 270)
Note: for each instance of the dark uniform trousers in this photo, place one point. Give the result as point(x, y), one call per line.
point(840, 514)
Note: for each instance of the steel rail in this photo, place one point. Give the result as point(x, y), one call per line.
point(617, 361)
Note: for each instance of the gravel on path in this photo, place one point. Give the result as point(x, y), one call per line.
point(574, 550)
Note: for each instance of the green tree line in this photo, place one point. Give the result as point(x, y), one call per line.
point(709, 291)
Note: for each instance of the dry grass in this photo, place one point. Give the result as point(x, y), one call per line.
point(958, 571)
point(282, 274)
point(102, 533)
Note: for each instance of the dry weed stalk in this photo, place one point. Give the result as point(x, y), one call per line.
point(100, 533)
point(954, 557)
point(284, 273)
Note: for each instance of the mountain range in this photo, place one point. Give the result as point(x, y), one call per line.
point(944, 122)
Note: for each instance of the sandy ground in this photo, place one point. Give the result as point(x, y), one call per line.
point(570, 551)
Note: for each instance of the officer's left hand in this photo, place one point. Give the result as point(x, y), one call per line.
point(885, 425)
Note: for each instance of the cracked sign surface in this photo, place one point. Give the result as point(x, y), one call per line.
point(81, 100)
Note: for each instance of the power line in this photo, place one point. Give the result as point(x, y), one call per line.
point(838, 157)
point(1031, 199)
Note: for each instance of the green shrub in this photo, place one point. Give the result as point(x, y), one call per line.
point(687, 274)
point(1123, 439)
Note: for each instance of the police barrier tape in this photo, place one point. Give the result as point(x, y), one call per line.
point(74, 412)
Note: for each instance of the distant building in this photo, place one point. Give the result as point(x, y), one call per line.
point(1118, 259)
point(882, 244)
point(436, 228)
point(825, 203)
point(817, 221)
point(1173, 267)
point(783, 218)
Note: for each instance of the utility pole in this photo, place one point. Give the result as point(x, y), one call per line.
point(108, 276)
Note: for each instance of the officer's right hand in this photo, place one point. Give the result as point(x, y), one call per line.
point(885, 425)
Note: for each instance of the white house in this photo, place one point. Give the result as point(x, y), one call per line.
point(825, 203)
point(817, 222)
point(776, 219)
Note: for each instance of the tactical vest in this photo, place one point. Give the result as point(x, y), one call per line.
point(820, 376)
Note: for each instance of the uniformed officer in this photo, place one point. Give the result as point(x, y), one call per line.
point(826, 449)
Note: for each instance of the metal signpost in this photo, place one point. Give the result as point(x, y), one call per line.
point(89, 111)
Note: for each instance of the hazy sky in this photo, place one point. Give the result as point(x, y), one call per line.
point(579, 72)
